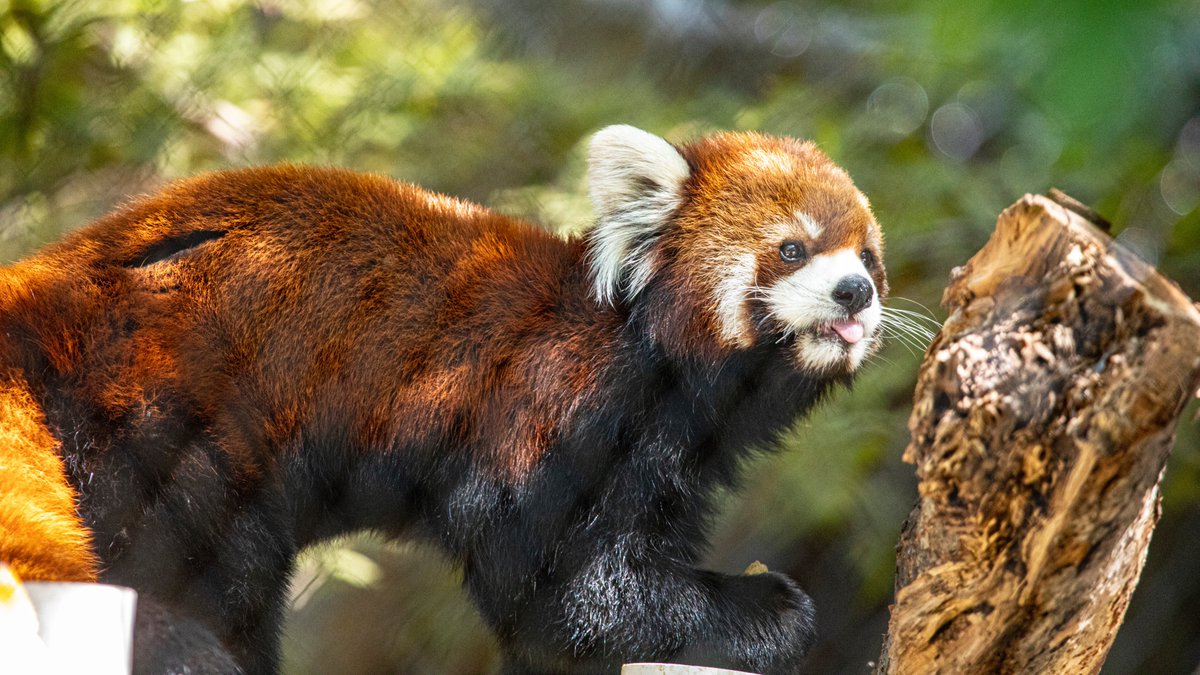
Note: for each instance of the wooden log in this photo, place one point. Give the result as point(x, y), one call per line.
point(1043, 415)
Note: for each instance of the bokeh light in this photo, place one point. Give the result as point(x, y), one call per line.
point(956, 131)
point(899, 106)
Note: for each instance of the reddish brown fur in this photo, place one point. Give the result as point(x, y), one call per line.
point(325, 314)
point(41, 535)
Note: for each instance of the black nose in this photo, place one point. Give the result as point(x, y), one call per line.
point(853, 292)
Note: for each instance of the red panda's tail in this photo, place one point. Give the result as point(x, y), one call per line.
point(41, 535)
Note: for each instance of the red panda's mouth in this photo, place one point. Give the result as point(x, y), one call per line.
point(848, 330)
point(845, 332)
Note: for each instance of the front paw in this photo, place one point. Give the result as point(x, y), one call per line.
point(776, 626)
point(763, 623)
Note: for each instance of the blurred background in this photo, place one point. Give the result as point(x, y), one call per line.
point(944, 112)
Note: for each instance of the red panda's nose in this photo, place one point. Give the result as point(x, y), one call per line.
point(853, 292)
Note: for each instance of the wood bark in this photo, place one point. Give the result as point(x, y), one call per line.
point(1043, 415)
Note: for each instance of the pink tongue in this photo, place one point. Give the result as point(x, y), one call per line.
point(851, 331)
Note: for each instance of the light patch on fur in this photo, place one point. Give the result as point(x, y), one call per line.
point(634, 182)
point(453, 205)
point(863, 201)
point(732, 291)
point(779, 231)
point(770, 161)
point(803, 302)
point(859, 351)
point(818, 354)
point(811, 227)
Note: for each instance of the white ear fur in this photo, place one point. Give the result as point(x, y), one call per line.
point(634, 179)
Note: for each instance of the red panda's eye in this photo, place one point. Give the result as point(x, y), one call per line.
point(868, 258)
point(791, 251)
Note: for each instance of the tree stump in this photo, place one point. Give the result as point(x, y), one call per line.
point(1043, 415)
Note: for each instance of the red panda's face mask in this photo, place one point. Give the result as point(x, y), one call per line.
point(771, 239)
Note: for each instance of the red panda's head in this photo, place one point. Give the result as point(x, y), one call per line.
point(760, 240)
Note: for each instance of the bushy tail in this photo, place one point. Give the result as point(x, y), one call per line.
point(41, 535)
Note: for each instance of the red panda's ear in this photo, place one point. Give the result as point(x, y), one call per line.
point(635, 179)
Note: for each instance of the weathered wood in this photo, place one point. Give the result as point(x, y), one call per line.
point(1043, 416)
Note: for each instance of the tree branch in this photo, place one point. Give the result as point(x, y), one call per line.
point(1042, 420)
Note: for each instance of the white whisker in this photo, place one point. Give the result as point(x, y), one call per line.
point(928, 312)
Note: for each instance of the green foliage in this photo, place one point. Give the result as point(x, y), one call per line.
point(944, 112)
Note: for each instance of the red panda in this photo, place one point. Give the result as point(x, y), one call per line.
point(255, 360)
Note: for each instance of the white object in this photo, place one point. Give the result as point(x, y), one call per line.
point(675, 669)
point(87, 627)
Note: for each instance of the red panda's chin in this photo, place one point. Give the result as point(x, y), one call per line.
point(829, 350)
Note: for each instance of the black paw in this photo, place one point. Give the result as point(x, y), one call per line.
point(775, 626)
